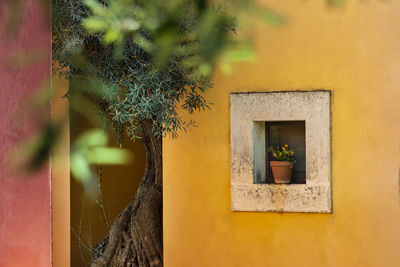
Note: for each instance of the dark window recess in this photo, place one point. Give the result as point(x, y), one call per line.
point(293, 134)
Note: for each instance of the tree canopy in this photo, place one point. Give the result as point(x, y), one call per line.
point(141, 59)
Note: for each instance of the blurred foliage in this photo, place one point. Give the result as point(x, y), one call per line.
point(129, 60)
point(91, 147)
point(146, 59)
point(138, 60)
point(33, 152)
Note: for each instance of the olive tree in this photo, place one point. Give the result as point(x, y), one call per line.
point(143, 63)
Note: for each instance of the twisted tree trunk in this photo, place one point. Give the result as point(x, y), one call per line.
point(135, 238)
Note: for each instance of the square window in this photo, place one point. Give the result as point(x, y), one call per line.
point(300, 119)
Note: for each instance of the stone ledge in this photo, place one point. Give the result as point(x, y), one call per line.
point(281, 198)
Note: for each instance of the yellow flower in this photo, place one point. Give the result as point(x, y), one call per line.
point(286, 145)
point(275, 155)
point(283, 148)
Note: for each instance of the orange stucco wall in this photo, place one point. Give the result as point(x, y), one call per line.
point(353, 51)
point(60, 178)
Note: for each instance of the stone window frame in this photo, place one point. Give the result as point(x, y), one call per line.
point(313, 107)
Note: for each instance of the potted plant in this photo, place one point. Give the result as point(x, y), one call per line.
point(282, 166)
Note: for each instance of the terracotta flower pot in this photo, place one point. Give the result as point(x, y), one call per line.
point(282, 171)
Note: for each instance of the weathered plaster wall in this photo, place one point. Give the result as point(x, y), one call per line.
point(25, 233)
point(355, 52)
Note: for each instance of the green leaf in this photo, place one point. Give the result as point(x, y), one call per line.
point(107, 155)
point(96, 7)
point(94, 24)
point(80, 167)
point(241, 55)
point(93, 137)
point(112, 36)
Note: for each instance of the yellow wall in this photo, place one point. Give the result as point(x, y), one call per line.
point(355, 52)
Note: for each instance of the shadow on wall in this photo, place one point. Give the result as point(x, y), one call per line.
point(92, 216)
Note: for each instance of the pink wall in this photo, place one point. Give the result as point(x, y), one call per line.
point(25, 229)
